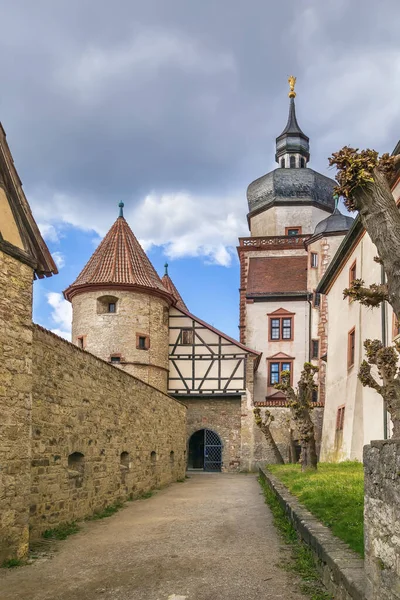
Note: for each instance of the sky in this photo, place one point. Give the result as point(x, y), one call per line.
point(173, 107)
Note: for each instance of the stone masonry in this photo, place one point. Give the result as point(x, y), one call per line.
point(15, 404)
point(382, 519)
point(99, 435)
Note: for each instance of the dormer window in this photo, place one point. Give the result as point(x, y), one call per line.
point(107, 305)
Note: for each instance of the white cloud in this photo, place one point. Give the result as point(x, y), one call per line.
point(59, 259)
point(61, 314)
point(49, 232)
point(186, 225)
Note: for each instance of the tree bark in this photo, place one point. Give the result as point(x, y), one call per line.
point(308, 456)
point(381, 219)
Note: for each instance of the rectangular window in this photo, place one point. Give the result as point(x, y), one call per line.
point(317, 299)
point(115, 359)
point(351, 347)
point(111, 307)
point(275, 370)
point(315, 349)
point(281, 328)
point(187, 337)
point(291, 231)
point(340, 418)
point(142, 341)
point(275, 329)
point(81, 342)
point(353, 272)
point(314, 260)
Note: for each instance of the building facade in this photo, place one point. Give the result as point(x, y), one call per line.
point(354, 415)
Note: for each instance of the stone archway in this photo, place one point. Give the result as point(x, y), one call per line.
point(205, 451)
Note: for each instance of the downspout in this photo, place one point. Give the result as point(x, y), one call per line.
point(384, 342)
point(309, 326)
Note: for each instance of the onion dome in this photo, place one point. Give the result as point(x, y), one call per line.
point(170, 286)
point(336, 223)
point(119, 262)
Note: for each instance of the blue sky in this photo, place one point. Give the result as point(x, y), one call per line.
point(173, 108)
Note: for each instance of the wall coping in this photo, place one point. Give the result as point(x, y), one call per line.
point(345, 566)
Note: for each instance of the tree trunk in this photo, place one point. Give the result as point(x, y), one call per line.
point(381, 219)
point(308, 456)
point(267, 432)
point(292, 448)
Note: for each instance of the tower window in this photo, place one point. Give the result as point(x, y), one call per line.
point(283, 163)
point(111, 307)
point(142, 341)
point(302, 163)
point(292, 162)
point(291, 231)
point(107, 305)
point(81, 341)
point(314, 260)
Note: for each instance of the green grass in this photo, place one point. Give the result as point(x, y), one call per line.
point(301, 560)
point(145, 495)
point(62, 531)
point(334, 494)
point(108, 511)
point(11, 563)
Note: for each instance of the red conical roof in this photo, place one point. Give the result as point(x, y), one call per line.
point(119, 261)
point(170, 286)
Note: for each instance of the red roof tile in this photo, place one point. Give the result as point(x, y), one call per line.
point(170, 286)
point(277, 274)
point(119, 260)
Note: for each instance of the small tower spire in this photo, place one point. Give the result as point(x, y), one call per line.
point(292, 146)
point(121, 209)
point(166, 268)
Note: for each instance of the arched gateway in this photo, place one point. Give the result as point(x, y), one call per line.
point(205, 451)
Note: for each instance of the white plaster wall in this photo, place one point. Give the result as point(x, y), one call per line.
point(364, 407)
point(257, 339)
point(274, 220)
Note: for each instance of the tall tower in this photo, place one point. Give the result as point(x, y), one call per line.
point(120, 307)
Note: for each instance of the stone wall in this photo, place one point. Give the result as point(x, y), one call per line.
point(105, 334)
point(222, 415)
point(98, 434)
point(15, 404)
point(382, 519)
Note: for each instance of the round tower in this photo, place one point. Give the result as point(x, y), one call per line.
point(120, 307)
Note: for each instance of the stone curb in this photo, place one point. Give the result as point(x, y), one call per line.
point(341, 569)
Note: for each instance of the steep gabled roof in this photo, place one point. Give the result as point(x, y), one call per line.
point(119, 261)
point(170, 286)
point(34, 250)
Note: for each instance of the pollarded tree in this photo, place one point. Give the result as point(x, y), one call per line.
point(300, 402)
point(363, 182)
point(265, 425)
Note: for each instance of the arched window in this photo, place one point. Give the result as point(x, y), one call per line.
point(283, 163)
point(124, 459)
point(292, 162)
point(302, 163)
point(76, 462)
point(107, 305)
point(153, 457)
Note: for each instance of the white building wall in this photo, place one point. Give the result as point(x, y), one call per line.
point(363, 406)
point(274, 220)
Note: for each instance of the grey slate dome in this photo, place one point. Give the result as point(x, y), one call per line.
point(335, 223)
point(291, 186)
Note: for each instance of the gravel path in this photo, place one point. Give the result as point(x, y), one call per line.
point(210, 538)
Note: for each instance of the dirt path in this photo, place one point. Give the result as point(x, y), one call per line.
point(210, 538)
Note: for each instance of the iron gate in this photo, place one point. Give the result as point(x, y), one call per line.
point(212, 451)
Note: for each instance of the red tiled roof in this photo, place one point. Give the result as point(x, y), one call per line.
point(275, 274)
point(170, 286)
point(119, 260)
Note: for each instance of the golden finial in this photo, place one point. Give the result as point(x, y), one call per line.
point(292, 83)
